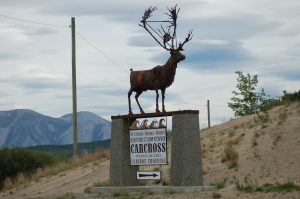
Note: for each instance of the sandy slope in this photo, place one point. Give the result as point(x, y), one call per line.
point(268, 152)
point(71, 181)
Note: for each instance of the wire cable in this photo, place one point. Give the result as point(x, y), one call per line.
point(80, 35)
point(102, 53)
point(34, 22)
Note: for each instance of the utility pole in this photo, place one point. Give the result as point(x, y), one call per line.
point(208, 114)
point(74, 92)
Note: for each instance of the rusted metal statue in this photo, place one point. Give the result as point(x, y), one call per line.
point(161, 76)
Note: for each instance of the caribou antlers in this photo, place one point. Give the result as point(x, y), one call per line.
point(169, 40)
point(188, 38)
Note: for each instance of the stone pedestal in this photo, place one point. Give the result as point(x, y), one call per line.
point(186, 164)
point(121, 172)
point(186, 168)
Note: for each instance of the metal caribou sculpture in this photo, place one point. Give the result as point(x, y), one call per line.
point(161, 76)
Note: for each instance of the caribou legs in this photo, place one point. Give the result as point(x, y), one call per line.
point(163, 99)
point(138, 93)
point(157, 107)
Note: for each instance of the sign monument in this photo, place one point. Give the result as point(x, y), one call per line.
point(134, 145)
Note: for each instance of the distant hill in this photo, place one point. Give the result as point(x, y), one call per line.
point(22, 128)
point(64, 151)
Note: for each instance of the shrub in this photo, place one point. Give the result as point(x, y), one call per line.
point(282, 116)
point(216, 195)
point(230, 156)
point(15, 161)
point(285, 99)
point(291, 97)
point(218, 185)
point(254, 141)
point(87, 190)
point(245, 188)
point(286, 187)
point(100, 184)
point(234, 141)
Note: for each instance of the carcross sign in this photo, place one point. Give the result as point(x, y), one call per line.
point(148, 146)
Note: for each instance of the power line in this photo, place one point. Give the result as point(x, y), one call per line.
point(80, 35)
point(34, 22)
point(102, 53)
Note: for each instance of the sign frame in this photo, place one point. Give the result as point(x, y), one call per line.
point(166, 146)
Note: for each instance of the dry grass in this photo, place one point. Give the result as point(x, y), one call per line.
point(231, 157)
point(234, 141)
point(276, 139)
point(10, 183)
point(264, 152)
point(231, 133)
point(62, 166)
point(282, 117)
point(72, 163)
point(254, 139)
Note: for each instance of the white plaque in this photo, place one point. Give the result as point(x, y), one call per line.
point(148, 146)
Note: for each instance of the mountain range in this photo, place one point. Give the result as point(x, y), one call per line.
point(23, 127)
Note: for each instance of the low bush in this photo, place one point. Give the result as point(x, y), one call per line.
point(45, 168)
point(16, 161)
point(285, 187)
point(231, 157)
point(216, 195)
point(218, 185)
point(248, 188)
point(283, 100)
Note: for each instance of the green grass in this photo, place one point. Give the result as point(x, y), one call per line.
point(247, 188)
point(100, 184)
point(286, 187)
point(216, 195)
point(278, 187)
point(66, 196)
point(120, 195)
point(218, 185)
point(125, 195)
point(87, 190)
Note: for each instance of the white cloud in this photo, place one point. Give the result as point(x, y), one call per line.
point(11, 35)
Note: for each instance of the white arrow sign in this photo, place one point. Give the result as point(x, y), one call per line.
point(148, 175)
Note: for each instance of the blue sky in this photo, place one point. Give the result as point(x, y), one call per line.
point(255, 36)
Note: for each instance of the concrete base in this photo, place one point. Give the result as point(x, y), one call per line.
point(153, 189)
point(121, 173)
point(186, 164)
point(186, 168)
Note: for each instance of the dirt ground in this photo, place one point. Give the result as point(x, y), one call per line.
point(71, 181)
point(268, 152)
